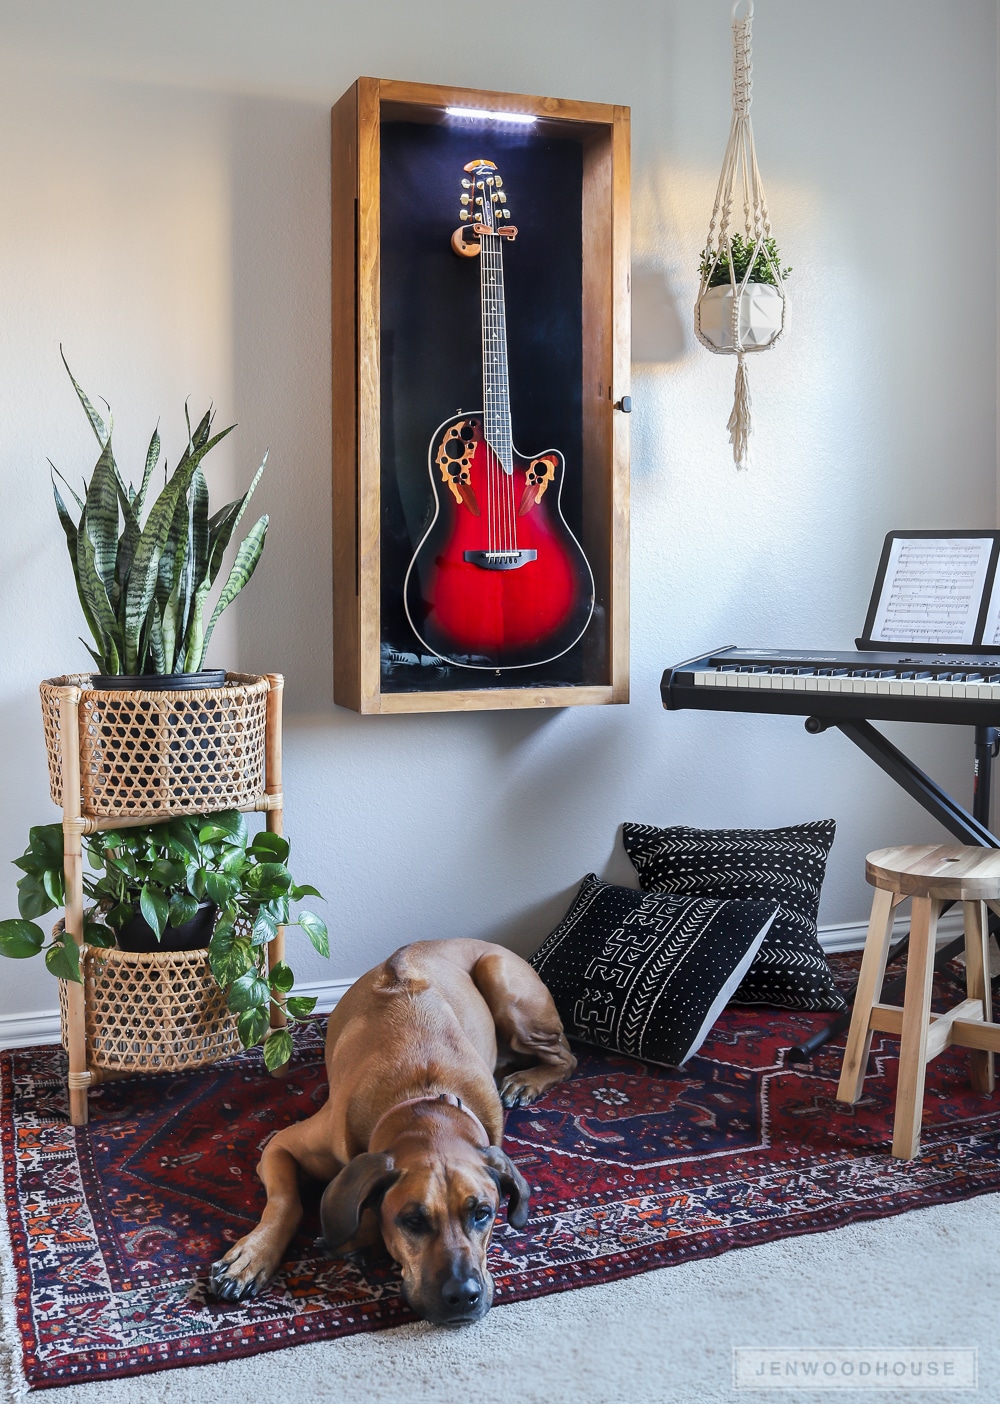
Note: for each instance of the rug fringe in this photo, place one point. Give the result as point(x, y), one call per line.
point(12, 1381)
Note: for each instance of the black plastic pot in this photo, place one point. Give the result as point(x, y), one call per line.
point(138, 936)
point(158, 682)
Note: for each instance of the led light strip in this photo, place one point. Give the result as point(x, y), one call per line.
point(480, 114)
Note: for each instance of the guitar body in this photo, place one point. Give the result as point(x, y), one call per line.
point(498, 580)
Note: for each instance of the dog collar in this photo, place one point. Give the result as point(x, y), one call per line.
point(448, 1097)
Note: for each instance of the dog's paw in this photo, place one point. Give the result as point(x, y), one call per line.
point(516, 1090)
point(240, 1273)
point(229, 1287)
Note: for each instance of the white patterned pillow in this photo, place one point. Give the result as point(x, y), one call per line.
point(786, 866)
point(648, 973)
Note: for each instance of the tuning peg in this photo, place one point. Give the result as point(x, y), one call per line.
point(502, 198)
point(499, 182)
point(466, 183)
point(506, 214)
point(463, 214)
point(465, 199)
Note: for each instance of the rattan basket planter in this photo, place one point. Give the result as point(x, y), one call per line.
point(118, 759)
point(153, 754)
point(156, 1012)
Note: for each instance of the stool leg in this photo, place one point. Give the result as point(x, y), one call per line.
point(859, 1040)
point(977, 986)
point(916, 1022)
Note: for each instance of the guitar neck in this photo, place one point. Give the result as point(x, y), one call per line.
point(496, 391)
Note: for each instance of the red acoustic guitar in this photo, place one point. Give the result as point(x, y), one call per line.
point(498, 580)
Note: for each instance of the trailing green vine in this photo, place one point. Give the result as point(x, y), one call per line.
point(166, 872)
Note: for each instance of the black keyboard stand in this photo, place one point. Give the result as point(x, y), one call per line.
point(968, 829)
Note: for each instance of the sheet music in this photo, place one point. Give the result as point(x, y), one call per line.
point(991, 629)
point(933, 590)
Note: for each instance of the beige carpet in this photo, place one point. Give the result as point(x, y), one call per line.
point(930, 1277)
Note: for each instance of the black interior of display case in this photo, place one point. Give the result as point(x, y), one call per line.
point(431, 353)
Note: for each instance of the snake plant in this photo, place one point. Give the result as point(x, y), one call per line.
point(144, 586)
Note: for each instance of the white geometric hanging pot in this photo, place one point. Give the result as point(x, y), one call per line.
point(741, 299)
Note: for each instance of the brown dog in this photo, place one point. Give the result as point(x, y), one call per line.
point(409, 1139)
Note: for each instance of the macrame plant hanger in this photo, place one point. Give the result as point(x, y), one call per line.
point(745, 314)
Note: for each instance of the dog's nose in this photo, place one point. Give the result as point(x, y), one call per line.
point(460, 1295)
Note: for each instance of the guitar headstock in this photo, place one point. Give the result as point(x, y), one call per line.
point(484, 201)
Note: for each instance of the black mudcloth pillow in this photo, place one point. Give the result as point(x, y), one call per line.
point(648, 973)
point(781, 865)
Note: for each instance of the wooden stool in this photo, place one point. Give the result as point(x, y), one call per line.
point(932, 875)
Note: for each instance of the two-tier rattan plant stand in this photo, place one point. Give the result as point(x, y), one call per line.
point(118, 759)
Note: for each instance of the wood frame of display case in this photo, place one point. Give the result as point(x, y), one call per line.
point(356, 136)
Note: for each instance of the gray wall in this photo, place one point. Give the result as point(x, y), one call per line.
point(165, 188)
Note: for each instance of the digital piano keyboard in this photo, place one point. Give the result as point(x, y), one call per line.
point(961, 688)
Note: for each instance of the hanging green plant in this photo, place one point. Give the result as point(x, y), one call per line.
point(740, 308)
point(714, 267)
point(165, 872)
point(144, 585)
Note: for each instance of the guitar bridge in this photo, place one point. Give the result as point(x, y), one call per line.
point(499, 560)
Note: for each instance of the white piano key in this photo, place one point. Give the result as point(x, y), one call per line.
point(975, 690)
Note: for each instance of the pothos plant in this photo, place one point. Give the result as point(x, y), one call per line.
point(166, 871)
point(717, 270)
point(144, 586)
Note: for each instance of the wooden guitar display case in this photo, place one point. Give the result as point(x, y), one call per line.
point(414, 359)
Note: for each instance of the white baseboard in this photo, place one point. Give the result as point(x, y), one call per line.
point(850, 935)
point(26, 1030)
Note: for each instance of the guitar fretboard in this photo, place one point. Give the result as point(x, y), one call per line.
point(496, 391)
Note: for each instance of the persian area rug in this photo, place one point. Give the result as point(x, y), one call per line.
point(633, 1167)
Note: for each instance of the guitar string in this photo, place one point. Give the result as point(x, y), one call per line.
point(488, 380)
point(490, 324)
point(504, 391)
point(508, 446)
point(490, 372)
point(491, 483)
point(496, 395)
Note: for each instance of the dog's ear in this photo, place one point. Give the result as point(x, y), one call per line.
point(347, 1194)
point(509, 1181)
